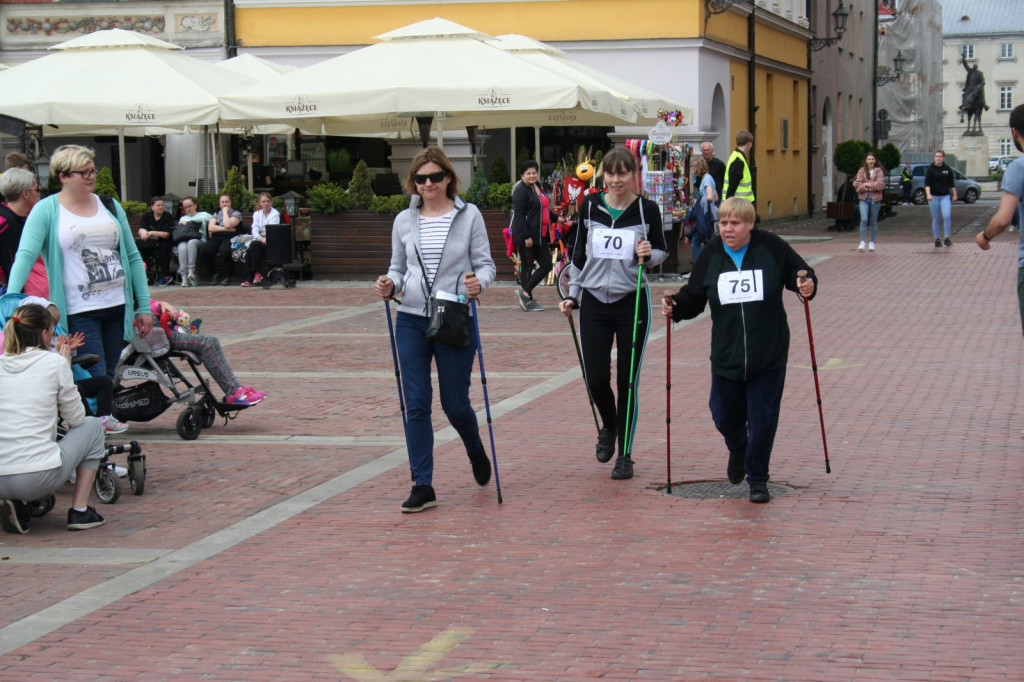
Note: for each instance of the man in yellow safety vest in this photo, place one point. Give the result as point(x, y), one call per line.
point(738, 180)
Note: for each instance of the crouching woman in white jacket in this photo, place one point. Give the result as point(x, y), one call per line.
point(35, 386)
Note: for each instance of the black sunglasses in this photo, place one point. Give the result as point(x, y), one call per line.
point(421, 179)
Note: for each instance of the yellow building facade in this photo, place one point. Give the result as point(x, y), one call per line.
point(675, 47)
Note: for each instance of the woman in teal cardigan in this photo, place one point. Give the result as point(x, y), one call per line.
point(97, 277)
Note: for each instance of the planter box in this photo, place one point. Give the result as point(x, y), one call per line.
point(357, 244)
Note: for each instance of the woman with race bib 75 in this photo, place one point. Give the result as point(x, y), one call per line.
point(742, 274)
point(617, 232)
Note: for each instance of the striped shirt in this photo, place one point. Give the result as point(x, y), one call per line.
point(433, 233)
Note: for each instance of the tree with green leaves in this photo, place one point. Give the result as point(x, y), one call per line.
point(105, 183)
point(889, 156)
point(477, 191)
point(849, 156)
point(241, 198)
point(360, 189)
point(499, 174)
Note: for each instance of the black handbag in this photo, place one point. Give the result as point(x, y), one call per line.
point(183, 232)
point(449, 320)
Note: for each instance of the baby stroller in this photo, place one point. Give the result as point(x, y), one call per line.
point(107, 484)
point(146, 369)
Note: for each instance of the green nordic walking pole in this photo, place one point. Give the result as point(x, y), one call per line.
point(632, 362)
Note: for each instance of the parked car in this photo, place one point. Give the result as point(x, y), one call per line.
point(967, 190)
point(1005, 161)
point(993, 164)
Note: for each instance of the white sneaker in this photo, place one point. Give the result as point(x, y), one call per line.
point(861, 247)
point(871, 246)
point(111, 425)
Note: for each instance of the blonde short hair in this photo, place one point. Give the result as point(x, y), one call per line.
point(68, 158)
point(738, 207)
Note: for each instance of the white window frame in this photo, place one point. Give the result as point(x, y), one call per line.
point(1005, 146)
point(1005, 97)
point(1006, 51)
point(967, 51)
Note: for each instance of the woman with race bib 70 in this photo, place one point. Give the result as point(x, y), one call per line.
point(742, 273)
point(617, 231)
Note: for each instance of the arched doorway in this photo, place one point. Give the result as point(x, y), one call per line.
point(719, 120)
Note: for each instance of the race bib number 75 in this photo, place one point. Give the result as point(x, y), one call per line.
point(741, 286)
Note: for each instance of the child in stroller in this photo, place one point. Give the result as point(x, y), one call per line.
point(150, 359)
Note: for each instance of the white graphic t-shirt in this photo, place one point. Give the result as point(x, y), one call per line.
point(93, 273)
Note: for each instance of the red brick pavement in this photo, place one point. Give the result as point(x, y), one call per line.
point(901, 564)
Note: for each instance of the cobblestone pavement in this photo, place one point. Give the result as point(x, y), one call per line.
point(272, 547)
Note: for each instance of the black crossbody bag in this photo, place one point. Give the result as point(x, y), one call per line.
point(449, 320)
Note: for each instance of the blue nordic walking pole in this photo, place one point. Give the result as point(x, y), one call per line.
point(632, 362)
point(487, 403)
point(398, 369)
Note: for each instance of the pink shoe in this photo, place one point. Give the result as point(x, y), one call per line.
point(239, 397)
point(246, 283)
point(253, 395)
point(257, 279)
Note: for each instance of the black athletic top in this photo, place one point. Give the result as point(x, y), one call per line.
point(940, 180)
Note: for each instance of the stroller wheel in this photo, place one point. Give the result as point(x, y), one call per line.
point(562, 280)
point(190, 423)
point(107, 485)
point(43, 505)
point(209, 411)
point(137, 475)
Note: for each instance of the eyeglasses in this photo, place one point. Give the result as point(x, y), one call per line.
point(86, 174)
point(421, 179)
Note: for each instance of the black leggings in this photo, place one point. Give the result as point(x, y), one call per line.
point(600, 325)
point(213, 248)
point(528, 277)
point(99, 387)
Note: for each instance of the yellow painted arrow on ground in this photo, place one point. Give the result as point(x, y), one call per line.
point(417, 666)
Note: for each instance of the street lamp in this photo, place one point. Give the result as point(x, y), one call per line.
point(839, 18)
point(897, 70)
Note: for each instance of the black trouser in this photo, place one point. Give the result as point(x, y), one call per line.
point(254, 259)
point(102, 389)
point(600, 324)
point(528, 277)
point(213, 247)
point(159, 250)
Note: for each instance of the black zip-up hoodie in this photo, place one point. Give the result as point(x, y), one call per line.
point(746, 338)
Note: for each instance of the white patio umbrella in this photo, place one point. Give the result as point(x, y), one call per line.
point(435, 69)
point(547, 57)
point(256, 67)
point(117, 80)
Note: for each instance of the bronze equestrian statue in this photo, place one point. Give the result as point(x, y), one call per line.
point(973, 102)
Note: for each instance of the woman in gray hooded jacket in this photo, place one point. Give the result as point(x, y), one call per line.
point(439, 248)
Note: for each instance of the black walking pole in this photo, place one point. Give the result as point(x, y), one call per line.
point(398, 370)
point(668, 403)
point(487, 403)
point(579, 354)
point(802, 274)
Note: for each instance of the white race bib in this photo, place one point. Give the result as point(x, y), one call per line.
point(607, 242)
point(741, 286)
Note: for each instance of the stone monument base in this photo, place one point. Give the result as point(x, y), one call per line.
point(974, 150)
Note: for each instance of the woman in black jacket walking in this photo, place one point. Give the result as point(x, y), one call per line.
point(742, 274)
point(530, 208)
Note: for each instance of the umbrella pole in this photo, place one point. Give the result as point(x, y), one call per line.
point(248, 173)
point(512, 151)
point(536, 144)
point(121, 159)
point(440, 131)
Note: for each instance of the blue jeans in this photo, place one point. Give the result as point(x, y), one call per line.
point(746, 413)
point(869, 213)
point(104, 336)
point(454, 369)
point(941, 208)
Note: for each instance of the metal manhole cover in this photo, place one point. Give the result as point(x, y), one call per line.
point(714, 490)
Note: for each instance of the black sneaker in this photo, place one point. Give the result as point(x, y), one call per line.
point(524, 300)
point(481, 468)
point(948, 242)
point(736, 469)
point(623, 468)
point(605, 445)
point(759, 492)
point(422, 497)
point(14, 516)
point(938, 244)
point(82, 520)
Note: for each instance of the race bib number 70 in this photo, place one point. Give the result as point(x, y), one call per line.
point(612, 243)
point(741, 286)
